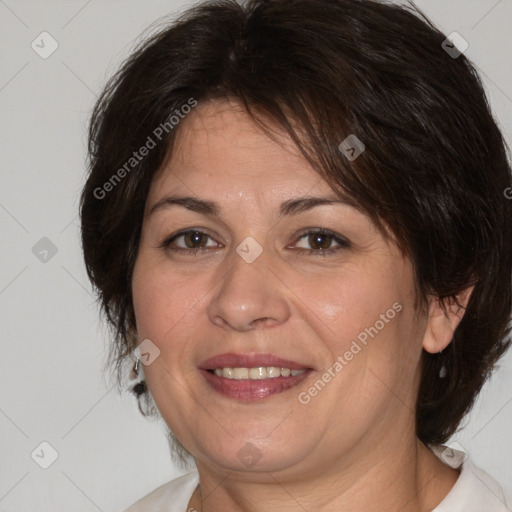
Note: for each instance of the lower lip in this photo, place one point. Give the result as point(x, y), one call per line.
point(251, 390)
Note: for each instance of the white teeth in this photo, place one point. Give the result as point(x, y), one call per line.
point(240, 373)
point(273, 371)
point(228, 373)
point(257, 373)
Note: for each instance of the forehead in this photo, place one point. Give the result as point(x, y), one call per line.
point(218, 143)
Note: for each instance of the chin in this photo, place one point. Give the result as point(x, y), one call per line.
point(255, 454)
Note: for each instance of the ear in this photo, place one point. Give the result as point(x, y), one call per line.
point(441, 325)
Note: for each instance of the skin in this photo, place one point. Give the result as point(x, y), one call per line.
point(353, 446)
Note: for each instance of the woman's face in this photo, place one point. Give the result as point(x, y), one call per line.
point(264, 286)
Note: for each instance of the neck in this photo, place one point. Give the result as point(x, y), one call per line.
point(386, 480)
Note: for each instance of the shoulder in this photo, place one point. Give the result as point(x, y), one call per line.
point(474, 491)
point(170, 497)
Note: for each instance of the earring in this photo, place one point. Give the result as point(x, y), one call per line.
point(140, 387)
point(134, 373)
point(442, 371)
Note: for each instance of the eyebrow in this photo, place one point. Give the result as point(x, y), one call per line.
point(290, 207)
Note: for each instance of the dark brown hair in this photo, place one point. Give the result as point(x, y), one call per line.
point(433, 172)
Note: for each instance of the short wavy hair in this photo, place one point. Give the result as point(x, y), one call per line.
point(433, 173)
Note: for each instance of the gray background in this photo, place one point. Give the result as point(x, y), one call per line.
point(53, 344)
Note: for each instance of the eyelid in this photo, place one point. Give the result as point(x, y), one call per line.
point(168, 240)
point(324, 231)
point(342, 242)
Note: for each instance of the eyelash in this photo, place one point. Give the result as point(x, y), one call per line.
point(343, 244)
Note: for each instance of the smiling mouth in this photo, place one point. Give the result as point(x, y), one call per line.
point(250, 377)
point(256, 373)
point(253, 384)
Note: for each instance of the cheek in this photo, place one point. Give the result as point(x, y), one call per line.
point(368, 320)
point(351, 303)
point(161, 299)
point(166, 308)
point(147, 301)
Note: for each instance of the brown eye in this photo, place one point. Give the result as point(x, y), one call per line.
point(191, 240)
point(320, 242)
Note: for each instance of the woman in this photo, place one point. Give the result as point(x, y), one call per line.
point(296, 223)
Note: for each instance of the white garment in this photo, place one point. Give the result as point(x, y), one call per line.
point(474, 490)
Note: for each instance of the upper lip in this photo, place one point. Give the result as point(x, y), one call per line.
point(231, 360)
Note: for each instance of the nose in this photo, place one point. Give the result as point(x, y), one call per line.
point(250, 295)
